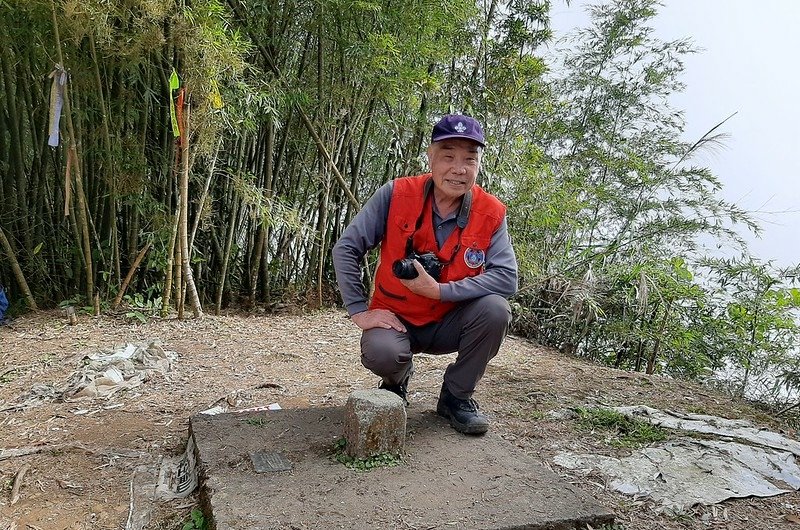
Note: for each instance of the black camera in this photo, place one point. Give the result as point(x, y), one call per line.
point(404, 268)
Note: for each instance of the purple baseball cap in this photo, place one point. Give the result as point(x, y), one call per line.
point(458, 126)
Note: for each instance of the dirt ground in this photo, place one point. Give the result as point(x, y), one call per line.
point(86, 450)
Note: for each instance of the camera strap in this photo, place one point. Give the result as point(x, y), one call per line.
point(428, 206)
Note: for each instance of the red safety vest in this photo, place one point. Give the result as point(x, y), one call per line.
point(464, 252)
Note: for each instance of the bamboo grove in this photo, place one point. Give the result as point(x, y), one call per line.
point(210, 152)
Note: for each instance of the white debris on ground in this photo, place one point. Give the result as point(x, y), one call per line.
point(103, 374)
point(680, 474)
point(38, 394)
point(741, 429)
point(126, 367)
point(239, 401)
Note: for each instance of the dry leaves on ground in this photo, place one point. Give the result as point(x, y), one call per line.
point(73, 460)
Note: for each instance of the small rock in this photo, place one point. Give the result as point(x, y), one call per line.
point(563, 414)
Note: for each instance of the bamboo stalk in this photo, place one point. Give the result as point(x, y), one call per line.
point(204, 195)
point(226, 260)
point(191, 289)
point(129, 276)
point(261, 236)
point(168, 270)
point(109, 170)
point(306, 121)
point(17, 159)
point(179, 289)
point(82, 207)
point(23, 285)
point(255, 262)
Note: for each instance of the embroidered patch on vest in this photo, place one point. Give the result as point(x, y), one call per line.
point(474, 258)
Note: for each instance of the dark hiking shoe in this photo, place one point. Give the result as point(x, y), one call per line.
point(462, 413)
point(401, 389)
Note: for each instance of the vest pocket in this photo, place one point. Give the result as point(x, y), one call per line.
point(391, 295)
point(477, 243)
point(406, 226)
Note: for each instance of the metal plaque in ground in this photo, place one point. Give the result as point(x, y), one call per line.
point(446, 480)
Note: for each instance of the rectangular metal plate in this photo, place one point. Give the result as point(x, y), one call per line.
point(266, 462)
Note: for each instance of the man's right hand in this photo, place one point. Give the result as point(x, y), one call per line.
point(378, 318)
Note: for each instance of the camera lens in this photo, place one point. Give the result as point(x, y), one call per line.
point(404, 269)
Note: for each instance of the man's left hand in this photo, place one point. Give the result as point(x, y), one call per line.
point(424, 284)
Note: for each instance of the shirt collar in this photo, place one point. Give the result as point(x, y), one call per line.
point(466, 204)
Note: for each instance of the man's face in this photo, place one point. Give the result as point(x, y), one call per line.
point(454, 163)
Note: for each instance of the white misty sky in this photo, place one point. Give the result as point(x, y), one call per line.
point(747, 62)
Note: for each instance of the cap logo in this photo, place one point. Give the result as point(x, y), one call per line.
point(460, 128)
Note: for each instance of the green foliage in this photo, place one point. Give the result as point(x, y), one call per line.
point(755, 329)
point(141, 308)
point(257, 422)
point(608, 246)
point(136, 315)
point(197, 521)
point(269, 211)
point(75, 301)
point(622, 430)
point(365, 464)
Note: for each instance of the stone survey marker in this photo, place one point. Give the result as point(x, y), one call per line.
point(446, 480)
point(375, 423)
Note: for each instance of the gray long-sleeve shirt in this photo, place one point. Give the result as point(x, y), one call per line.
point(367, 229)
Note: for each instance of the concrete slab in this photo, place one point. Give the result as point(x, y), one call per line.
point(447, 480)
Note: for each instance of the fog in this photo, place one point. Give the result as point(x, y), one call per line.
point(746, 64)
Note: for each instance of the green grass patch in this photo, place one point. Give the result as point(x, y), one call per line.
point(623, 431)
point(257, 422)
point(197, 521)
point(363, 464)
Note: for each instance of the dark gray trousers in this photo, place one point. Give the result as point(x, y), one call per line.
point(475, 329)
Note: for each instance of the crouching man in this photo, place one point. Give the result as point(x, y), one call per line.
point(446, 270)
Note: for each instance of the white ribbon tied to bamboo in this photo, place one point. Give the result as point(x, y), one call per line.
point(59, 77)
